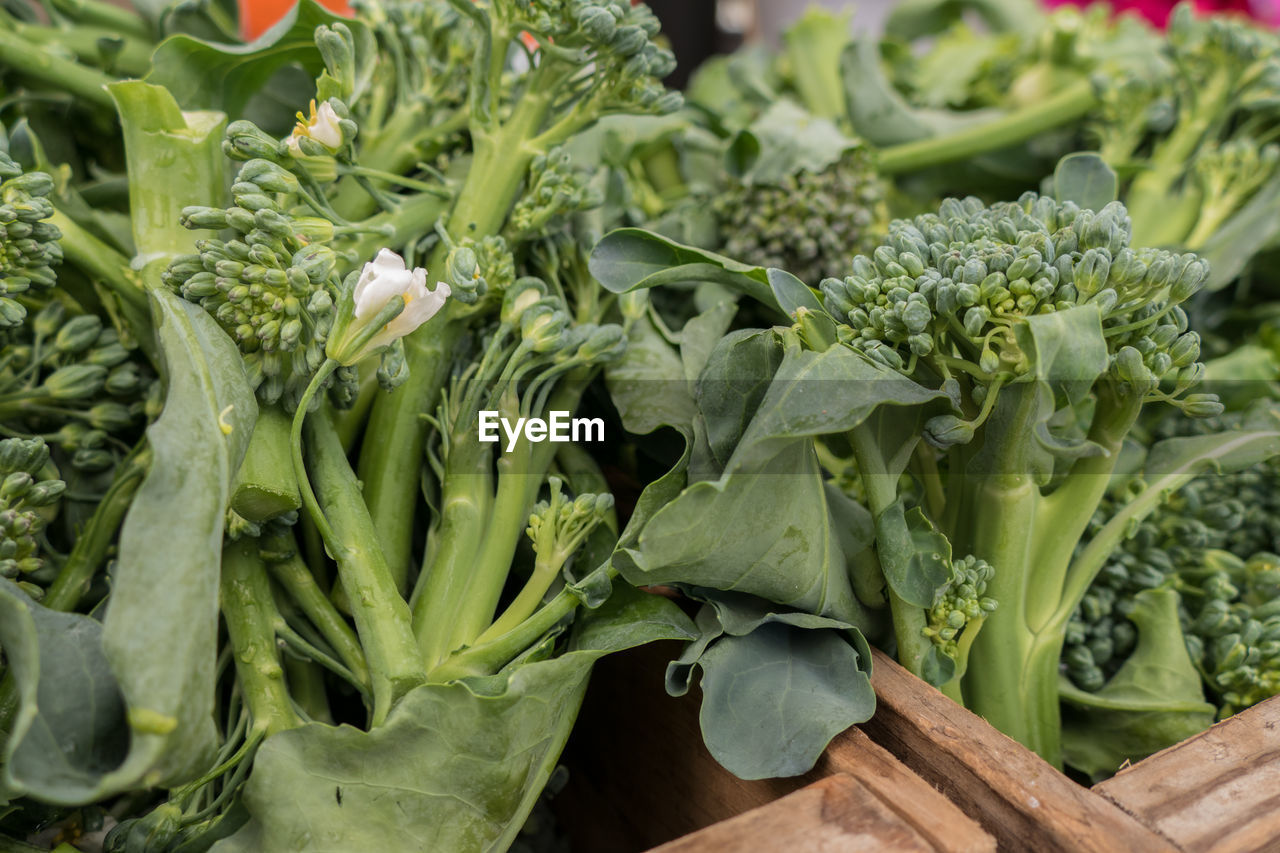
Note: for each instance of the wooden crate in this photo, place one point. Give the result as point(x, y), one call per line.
point(1218, 791)
point(639, 776)
point(917, 776)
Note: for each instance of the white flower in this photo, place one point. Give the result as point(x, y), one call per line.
point(322, 126)
point(382, 280)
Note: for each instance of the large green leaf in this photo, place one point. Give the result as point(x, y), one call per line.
point(766, 532)
point(821, 393)
point(787, 140)
point(456, 767)
point(208, 75)
point(70, 728)
point(777, 686)
point(734, 382)
point(161, 628)
point(630, 259)
point(1155, 700)
point(160, 631)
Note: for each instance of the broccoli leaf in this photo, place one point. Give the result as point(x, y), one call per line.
point(776, 686)
point(1086, 179)
point(455, 766)
point(1155, 700)
point(187, 66)
point(630, 259)
point(70, 729)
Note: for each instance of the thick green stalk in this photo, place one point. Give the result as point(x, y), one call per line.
point(251, 617)
point(521, 474)
point(1005, 681)
point(466, 519)
point(29, 59)
point(1065, 514)
point(1071, 103)
point(488, 658)
point(389, 466)
point(813, 46)
point(294, 576)
point(382, 617)
point(265, 486)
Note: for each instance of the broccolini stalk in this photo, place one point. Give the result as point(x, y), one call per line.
point(1222, 86)
point(594, 58)
point(983, 301)
point(533, 362)
point(251, 617)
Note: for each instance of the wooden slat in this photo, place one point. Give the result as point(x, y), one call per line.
point(640, 775)
point(1218, 791)
point(1012, 792)
point(837, 814)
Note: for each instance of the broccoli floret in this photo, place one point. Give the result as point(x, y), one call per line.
point(959, 602)
point(1215, 543)
point(29, 247)
point(28, 492)
point(805, 222)
point(946, 292)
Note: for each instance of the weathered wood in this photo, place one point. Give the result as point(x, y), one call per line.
point(837, 814)
point(1218, 791)
point(640, 775)
point(1012, 792)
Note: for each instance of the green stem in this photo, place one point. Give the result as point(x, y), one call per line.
point(266, 486)
point(389, 466)
point(1065, 514)
point(117, 19)
point(29, 59)
point(1006, 681)
point(133, 60)
point(466, 518)
point(306, 682)
point(108, 267)
point(296, 579)
point(251, 617)
point(382, 616)
point(90, 549)
point(490, 657)
point(1071, 103)
point(521, 474)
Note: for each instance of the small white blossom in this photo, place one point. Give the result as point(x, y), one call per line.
point(322, 126)
point(382, 280)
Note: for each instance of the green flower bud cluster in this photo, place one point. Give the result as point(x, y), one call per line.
point(558, 526)
point(70, 379)
point(556, 191)
point(961, 600)
point(808, 222)
point(29, 244)
point(271, 286)
point(27, 495)
point(475, 269)
point(613, 34)
point(1215, 542)
point(953, 284)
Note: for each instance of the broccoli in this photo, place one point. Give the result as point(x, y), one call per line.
point(1215, 544)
